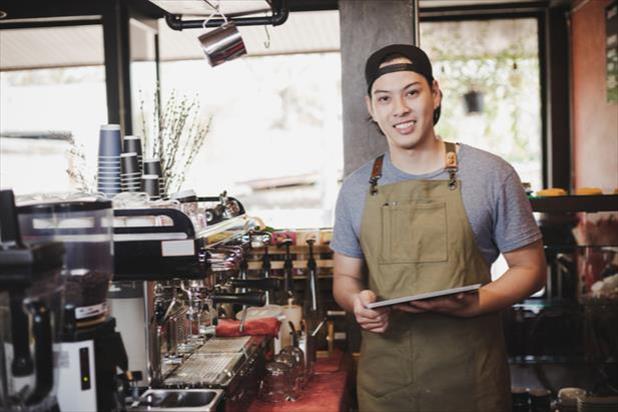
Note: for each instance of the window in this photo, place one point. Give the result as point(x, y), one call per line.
point(489, 73)
point(275, 139)
point(42, 110)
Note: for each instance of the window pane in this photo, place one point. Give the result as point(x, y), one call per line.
point(41, 110)
point(275, 140)
point(498, 61)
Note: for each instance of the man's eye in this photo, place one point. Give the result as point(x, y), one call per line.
point(412, 92)
point(383, 99)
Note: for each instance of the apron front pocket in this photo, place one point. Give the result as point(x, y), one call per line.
point(413, 232)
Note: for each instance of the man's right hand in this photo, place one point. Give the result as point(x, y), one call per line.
point(372, 320)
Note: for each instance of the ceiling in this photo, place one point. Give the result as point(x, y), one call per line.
point(20, 49)
point(303, 32)
point(202, 8)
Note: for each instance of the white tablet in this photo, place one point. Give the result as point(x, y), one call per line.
point(420, 296)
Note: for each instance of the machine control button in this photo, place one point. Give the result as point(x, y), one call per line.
point(84, 367)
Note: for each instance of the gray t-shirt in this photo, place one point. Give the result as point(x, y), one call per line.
point(495, 202)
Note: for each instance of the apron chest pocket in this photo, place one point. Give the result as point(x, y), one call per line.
point(414, 232)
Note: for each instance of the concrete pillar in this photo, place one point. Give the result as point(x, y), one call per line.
point(366, 26)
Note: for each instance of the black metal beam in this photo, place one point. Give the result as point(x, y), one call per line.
point(279, 16)
point(32, 9)
point(488, 15)
point(313, 5)
point(544, 95)
point(30, 24)
point(558, 145)
point(484, 8)
point(561, 204)
point(117, 64)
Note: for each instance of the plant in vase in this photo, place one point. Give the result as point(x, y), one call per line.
point(174, 133)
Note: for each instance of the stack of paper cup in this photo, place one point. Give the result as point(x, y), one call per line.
point(108, 170)
point(129, 173)
point(151, 185)
point(134, 144)
point(153, 167)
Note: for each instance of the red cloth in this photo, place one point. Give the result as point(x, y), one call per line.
point(253, 327)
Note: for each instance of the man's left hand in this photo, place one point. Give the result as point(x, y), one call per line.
point(460, 304)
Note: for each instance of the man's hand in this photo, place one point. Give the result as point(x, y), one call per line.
point(369, 319)
point(460, 304)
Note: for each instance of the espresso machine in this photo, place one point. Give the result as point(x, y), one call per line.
point(173, 281)
point(91, 359)
point(31, 298)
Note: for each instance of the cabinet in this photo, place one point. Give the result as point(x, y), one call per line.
point(569, 335)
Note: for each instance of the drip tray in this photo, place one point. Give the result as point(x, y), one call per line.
point(226, 345)
point(205, 369)
point(178, 400)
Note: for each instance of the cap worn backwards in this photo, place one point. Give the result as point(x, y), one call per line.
point(419, 63)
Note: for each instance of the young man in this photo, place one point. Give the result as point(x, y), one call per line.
point(430, 215)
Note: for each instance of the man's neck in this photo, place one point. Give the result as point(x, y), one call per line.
point(420, 160)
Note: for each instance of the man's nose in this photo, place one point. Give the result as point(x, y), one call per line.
point(401, 106)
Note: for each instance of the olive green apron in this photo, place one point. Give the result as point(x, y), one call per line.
point(416, 238)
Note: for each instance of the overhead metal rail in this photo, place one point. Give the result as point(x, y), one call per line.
point(280, 13)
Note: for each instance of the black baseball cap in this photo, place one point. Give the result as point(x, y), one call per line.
point(419, 63)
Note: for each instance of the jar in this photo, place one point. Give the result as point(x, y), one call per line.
point(275, 386)
point(540, 400)
point(295, 372)
point(520, 399)
point(299, 361)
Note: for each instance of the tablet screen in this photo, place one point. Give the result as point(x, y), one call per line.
point(427, 295)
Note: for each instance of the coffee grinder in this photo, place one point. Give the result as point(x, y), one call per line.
point(31, 297)
point(91, 350)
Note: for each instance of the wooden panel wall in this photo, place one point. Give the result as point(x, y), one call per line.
point(595, 121)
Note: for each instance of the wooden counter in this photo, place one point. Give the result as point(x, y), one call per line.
point(327, 391)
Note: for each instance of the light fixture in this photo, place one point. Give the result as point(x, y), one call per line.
point(473, 100)
point(223, 43)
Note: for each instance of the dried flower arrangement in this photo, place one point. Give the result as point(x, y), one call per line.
point(174, 135)
point(79, 173)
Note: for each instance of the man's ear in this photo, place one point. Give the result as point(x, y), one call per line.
point(369, 108)
point(437, 96)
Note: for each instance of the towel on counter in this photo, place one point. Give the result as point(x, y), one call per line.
point(253, 327)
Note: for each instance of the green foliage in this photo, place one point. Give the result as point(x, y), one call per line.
point(498, 58)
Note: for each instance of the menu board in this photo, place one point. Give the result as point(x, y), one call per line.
point(611, 51)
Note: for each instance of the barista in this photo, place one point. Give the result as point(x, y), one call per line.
point(429, 215)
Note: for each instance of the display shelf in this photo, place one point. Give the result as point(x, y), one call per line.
point(592, 203)
point(556, 360)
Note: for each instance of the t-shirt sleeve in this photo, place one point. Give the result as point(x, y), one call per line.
point(514, 224)
point(345, 239)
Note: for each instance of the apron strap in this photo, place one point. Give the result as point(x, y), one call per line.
point(376, 174)
point(451, 164)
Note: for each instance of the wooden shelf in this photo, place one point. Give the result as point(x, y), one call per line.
point(297, 264)
point(595, 203)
